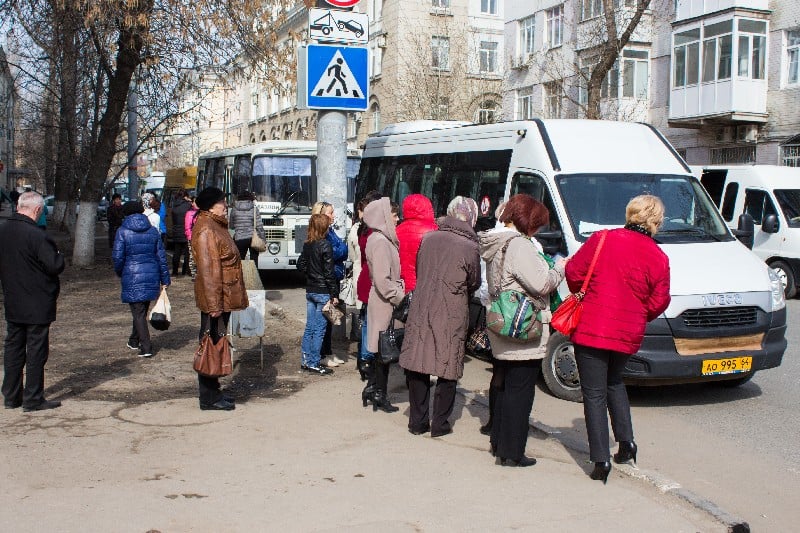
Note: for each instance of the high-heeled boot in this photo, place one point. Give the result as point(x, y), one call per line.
point(369, 389)
point(600, 472)
point(361, 366)
point(379, 399)
point(627, 452)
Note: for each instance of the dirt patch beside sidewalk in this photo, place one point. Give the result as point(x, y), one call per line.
point(89, 359)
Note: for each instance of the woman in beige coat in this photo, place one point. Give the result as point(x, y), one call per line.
point(518, 362)
point(383, 258)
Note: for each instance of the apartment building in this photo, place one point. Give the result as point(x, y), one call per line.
point(720, 78)
point(429, 59)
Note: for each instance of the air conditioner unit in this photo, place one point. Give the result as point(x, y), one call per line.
point(725, 135)
point(381, 41)
point(747, 133)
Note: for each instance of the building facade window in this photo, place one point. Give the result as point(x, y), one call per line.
point(793, 56)
point(526, 34)
point(752, 53)
point(555, 26)
point(440, 53)
point(591, 9)
point(525, 103)
point(374, 8)
point(553, 97)
point(489, 7)
point(254, 106)
point(632, 82)
point(376, 118)
point(717, 51)
point(442, 110)
point(686, 58)
point(487, 112)
point(442, 4)
point(790, 155)
point(488, 57)
point(376, 57)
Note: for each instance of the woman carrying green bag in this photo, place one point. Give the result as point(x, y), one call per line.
point(514, 263)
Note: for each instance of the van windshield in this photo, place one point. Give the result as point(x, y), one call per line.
point(789, 200)
point(597, 201)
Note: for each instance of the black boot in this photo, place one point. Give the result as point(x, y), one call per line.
point(600, 472)
point(486, 429)
point(368, 369)
point(361, 366)
point(627, 452)
point(379, 398)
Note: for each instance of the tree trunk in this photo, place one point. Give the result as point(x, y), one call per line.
point(130, 44)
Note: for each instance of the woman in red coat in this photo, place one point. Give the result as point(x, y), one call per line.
point(417, 221)
point(629, 288)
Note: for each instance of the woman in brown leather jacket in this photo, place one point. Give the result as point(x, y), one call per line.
point(219, 285)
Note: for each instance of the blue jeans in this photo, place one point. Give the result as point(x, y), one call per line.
point(315, 328)
point(364, 354)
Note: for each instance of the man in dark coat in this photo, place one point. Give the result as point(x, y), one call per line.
point(29, 267)
point(114, 217)
point(180, 207)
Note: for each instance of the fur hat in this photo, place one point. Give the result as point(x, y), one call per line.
point(208, 197)
point(132, 207)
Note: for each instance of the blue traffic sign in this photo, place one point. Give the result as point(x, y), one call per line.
point(336, 77)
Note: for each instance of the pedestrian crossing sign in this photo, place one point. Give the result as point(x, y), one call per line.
point(336, 77)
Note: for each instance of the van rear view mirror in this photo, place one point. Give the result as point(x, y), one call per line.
point(770, 224)
point(746, 230)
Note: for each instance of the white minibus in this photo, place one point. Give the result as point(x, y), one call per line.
point(727, 317)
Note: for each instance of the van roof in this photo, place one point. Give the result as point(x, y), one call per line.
point(777, 177)
point(572, 146)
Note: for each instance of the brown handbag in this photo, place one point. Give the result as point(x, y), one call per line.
point(212, 359)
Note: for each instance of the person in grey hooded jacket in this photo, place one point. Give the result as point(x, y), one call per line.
point(242, 221)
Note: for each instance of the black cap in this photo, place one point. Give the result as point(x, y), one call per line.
point(132, 207)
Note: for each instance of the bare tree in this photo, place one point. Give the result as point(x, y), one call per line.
point(97, 47)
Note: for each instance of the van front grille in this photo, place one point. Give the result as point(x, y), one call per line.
point(275, 234)
point(721, 317)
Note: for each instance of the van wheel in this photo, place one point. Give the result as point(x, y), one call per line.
point(786, 276)
point(733, 383)
point(559, 369)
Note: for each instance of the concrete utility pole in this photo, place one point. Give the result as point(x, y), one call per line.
point(332, 163)
point(133, 141)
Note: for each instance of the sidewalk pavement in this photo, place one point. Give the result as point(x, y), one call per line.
point(314, 461)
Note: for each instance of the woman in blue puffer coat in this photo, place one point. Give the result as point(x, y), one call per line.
point(140, 260)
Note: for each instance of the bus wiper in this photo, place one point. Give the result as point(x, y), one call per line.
point(286, 203)
point(692, 230)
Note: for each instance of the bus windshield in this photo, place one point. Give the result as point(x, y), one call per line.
point(282, 179)
point(597, 201)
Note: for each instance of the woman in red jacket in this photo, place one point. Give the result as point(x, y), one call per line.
point(417, 221)
point(629, 287)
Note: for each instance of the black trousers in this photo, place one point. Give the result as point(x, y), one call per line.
point(181, 249)
point(512, 407)
point(419, 395)
point(243, 245)
point(209, 392)
point(603, 391)
point(27, 347)
point(140, 333)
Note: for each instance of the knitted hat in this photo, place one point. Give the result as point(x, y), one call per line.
point(208, 197)
point(132, 207)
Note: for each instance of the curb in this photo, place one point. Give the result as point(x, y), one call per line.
point(733, 523)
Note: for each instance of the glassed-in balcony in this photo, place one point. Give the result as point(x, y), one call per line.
point(687, 9)
point(719, 69)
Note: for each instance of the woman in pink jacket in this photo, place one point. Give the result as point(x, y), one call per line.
point(628, 288)
point(188, 223)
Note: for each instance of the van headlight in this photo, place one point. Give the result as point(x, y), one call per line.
point(274, 248)
point(776, 287)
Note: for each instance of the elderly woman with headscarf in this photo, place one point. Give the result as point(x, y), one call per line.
point(439, 317)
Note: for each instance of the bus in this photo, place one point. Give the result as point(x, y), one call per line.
point(282, 175)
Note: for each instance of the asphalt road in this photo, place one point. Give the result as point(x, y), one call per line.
point(735, 447)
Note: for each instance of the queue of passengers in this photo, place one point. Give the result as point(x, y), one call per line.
point(629, 287)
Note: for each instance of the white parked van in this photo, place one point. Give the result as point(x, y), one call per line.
point(771, 196)
point(727, 318)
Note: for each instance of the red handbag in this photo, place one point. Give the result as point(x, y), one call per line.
point(212, 359)
point(565, 319)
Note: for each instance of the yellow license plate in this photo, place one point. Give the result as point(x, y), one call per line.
point(734, 365)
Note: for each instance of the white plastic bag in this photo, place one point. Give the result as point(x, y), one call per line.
point(160, 315)
point(347, 293)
